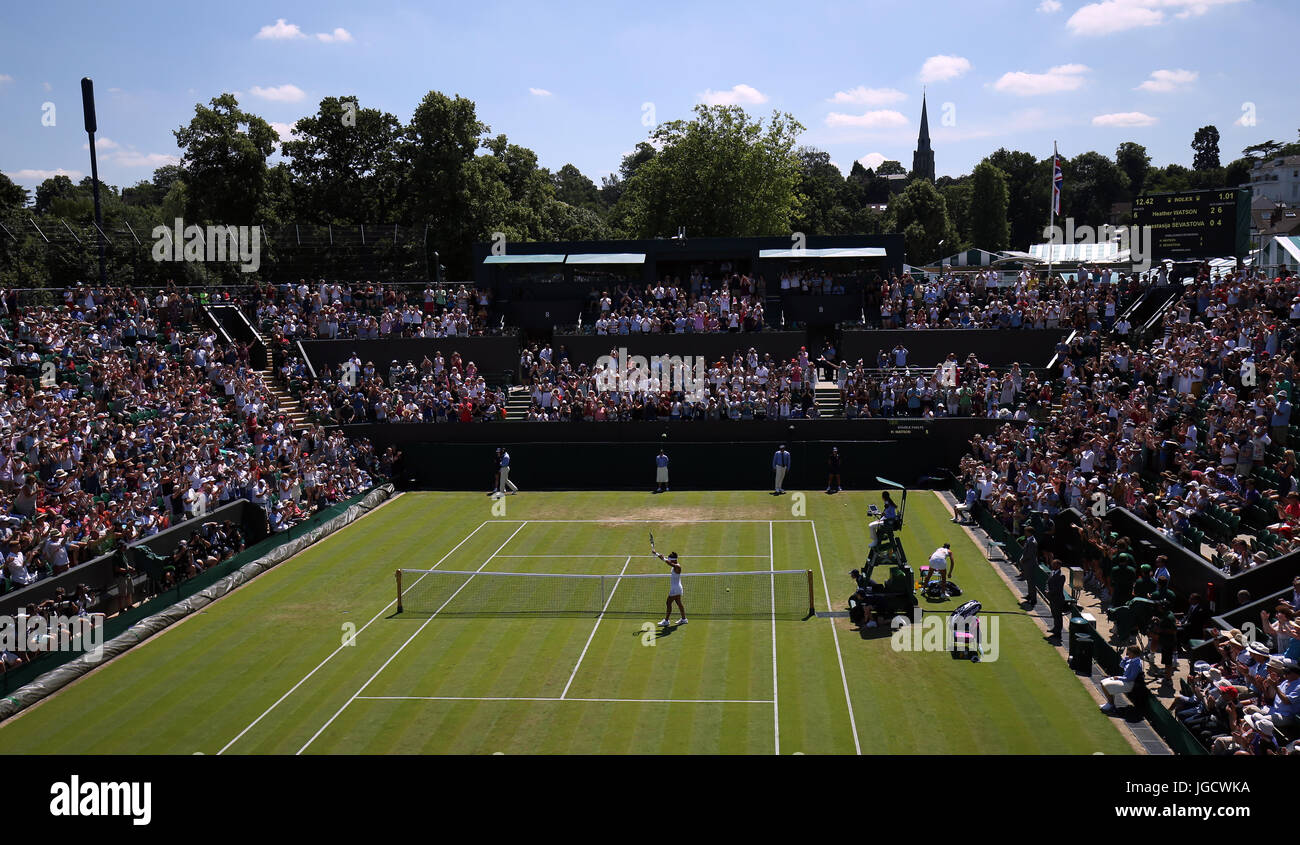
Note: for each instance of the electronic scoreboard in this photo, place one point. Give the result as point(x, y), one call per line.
point(1196, 224)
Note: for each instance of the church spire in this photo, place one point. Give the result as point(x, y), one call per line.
point(924, 140)
point(923, 158)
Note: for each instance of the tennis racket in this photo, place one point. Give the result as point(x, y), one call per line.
point(652, 542)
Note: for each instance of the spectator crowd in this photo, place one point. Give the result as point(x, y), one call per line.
point(734, 304)
point(122, 417)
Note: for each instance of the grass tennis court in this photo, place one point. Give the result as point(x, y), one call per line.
point(313, 658)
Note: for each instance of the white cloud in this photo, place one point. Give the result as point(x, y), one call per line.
point(1049, 7)
point(1056, 80)
point(280, 31)
point(943, 68)
point(278, 94)
point(284, 130)
point(863, 96)
point(47, 86)
point(131, 158)
point(30, 176)
point(1164, 81)
point(737, 96)
point(878, 119)
point(1127, 118)
point(339, 35)
point(871, 160)
point(1112, 16)
point(4, 77)
point(539, 92)
point(113, 152)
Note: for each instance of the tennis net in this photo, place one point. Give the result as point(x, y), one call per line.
point(787, 593)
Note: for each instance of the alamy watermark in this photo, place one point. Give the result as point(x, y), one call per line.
point(933, 632)
point(635, 373)
point(23, 634)
point(211, 243)
point(1136, 240)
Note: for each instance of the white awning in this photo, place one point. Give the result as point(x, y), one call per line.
point(524, 259)
point(1075, 252)
point(846, 252)
point(607, 258)
point(1290, 243)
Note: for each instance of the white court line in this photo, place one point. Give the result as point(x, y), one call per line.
point(526, 698)
point(409, 640)
point(616, 521)
point(615, 557)
point(340, 648)
point(836, 635)
point(776, 707)
point(574, 673)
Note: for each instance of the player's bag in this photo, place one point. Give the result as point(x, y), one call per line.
point(953, 589)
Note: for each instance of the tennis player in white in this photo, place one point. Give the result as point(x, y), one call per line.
point(942, 562)
point(674, 587)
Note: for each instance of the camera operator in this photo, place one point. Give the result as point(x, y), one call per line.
point(864, 602)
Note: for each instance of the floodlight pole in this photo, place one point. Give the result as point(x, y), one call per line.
point(88, 109)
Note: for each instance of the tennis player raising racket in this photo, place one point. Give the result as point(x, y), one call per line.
point(674, 584)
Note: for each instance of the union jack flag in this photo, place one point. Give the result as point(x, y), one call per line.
point(1057, 181)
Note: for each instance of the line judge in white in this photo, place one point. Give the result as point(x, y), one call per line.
point(674, 587)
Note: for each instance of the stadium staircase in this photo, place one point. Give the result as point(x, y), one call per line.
point(231, 324)
point(285, 401)
point(518, 401)
point(829, 406)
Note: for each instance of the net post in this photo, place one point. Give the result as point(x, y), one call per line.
point(812, 607)
point(398, 575)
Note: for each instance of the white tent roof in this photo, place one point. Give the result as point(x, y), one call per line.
point(1076, 252)
point(524, 259)
point(848, 252)
point(607, 258)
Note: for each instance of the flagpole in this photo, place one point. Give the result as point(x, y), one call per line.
point(1051, 215)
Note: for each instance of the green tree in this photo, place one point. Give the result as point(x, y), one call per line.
point(1263, 150)
point(720, 174)
point(1237, 173)
point(575, 189)
point(53, 188)
point(565, 222)
point(1132, 158)
point(343, 163)
point(224, 153)
point(1092, 184)
point(891, 168)
point(529, 190)
point(1173, 177)
point(444, 186)
point(1205, 143)
point(12, 195)
point(921, 214)
point(822, 191)
point(1028, 187)
point(989, 227)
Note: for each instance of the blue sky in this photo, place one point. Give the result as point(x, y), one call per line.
point(579, 82)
